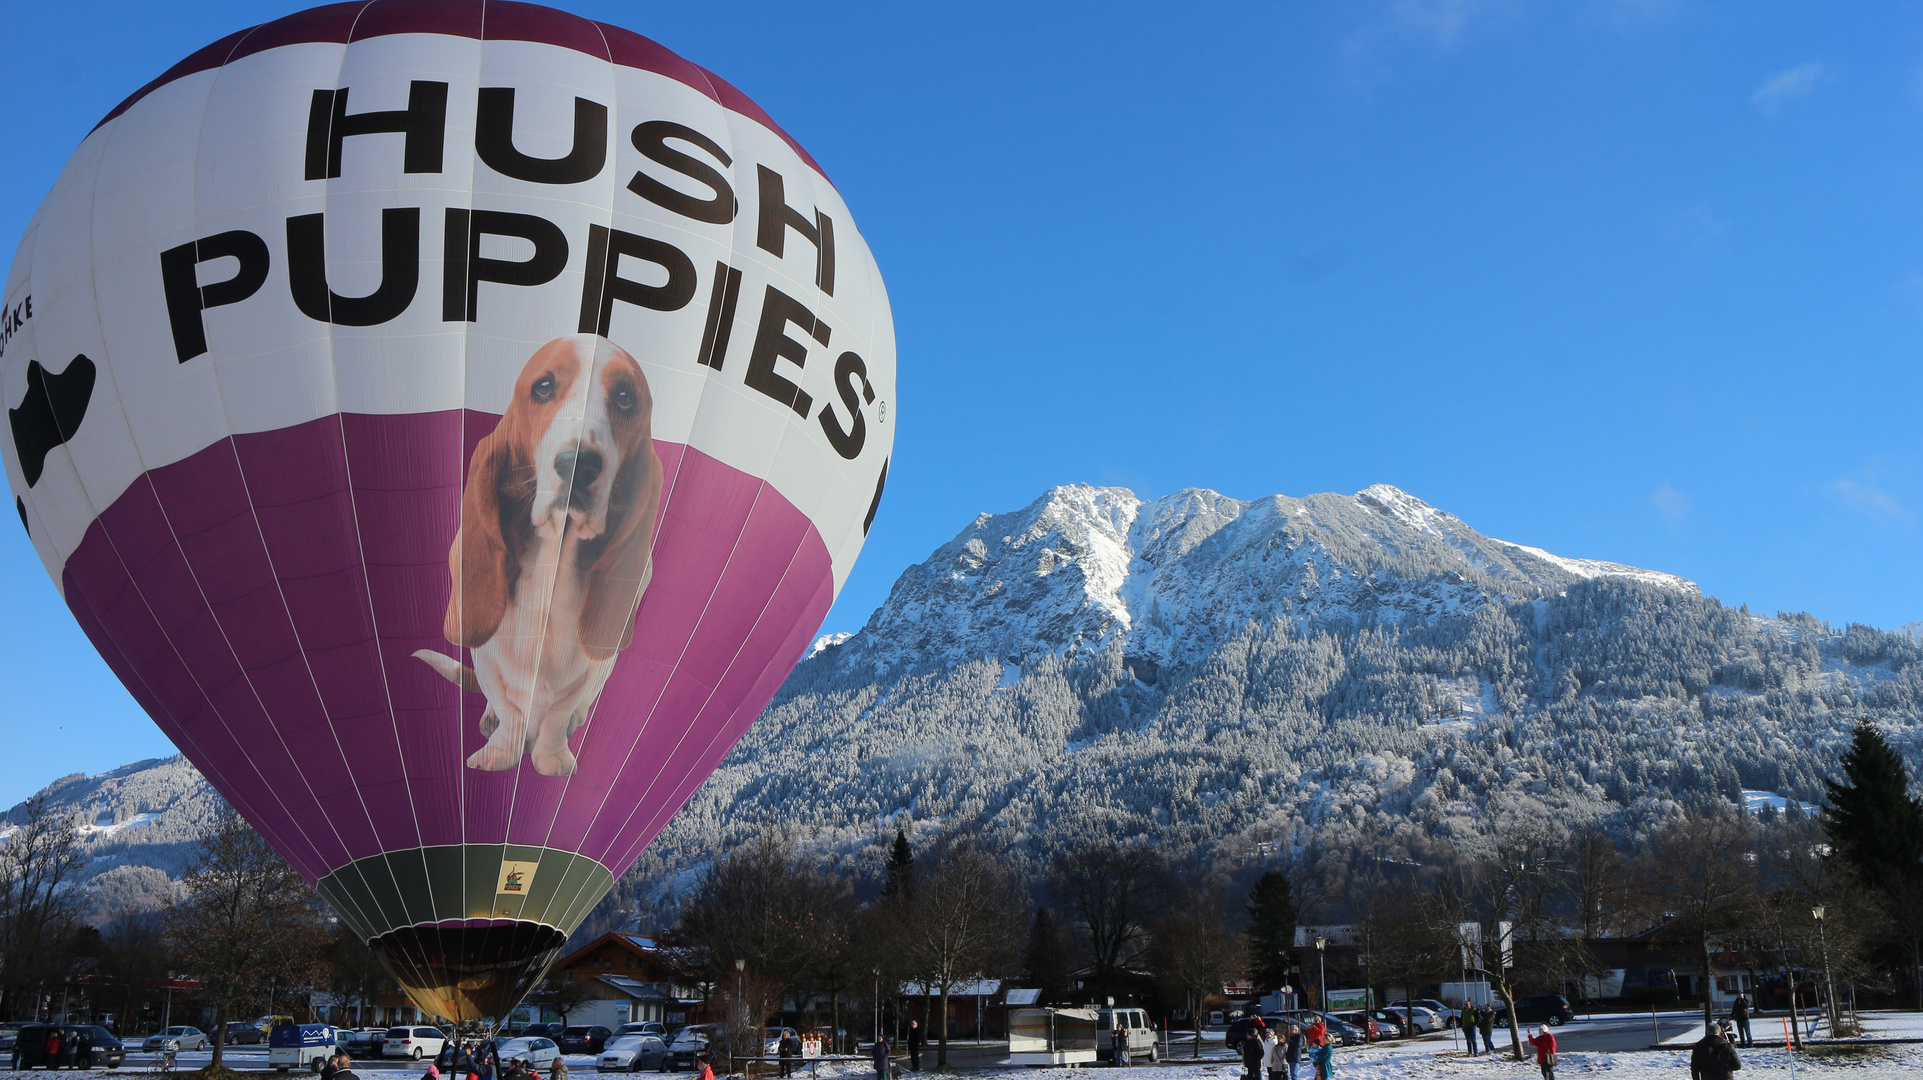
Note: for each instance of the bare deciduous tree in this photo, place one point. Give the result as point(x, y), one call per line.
point(247, 925)
point(1193, 951)
point(1113, 893)
point(37, 909)
point(1700, 875)
point(964, 919)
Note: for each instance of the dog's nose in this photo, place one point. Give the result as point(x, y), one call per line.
point(579, 466)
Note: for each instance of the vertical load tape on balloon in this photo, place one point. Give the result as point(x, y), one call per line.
point(452, 420)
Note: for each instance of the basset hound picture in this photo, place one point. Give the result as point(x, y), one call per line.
point(552, 556)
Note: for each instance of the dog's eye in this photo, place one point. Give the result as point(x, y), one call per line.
point(624, 399)
point(543, 389)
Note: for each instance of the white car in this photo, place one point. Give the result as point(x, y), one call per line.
point(540, 1053)
point(1421, 1020)
point(414, 1042)
point(632, 1053)
point(1448, 1015)
point(186, 1038)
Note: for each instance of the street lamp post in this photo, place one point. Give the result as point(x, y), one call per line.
point(740, 1011)
point(1322, 965)
point(1829, 987)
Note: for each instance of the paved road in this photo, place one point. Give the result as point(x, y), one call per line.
point(1607, 1033)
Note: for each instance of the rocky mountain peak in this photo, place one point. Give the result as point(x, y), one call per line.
point(1083, 568)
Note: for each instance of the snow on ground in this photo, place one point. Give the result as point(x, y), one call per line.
point(1400, 1062)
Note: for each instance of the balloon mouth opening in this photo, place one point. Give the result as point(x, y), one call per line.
point(469, 972)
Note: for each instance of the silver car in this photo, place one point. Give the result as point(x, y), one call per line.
point(186, 1038)
point(632, 1053)
point(540, 1052)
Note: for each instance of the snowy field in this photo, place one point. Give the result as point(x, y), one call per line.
point(1431, 1056)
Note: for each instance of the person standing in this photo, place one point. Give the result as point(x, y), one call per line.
point(1544, 1041)
point(1324, 1057)
point(1712, 1058)
point(1739, 1011)
point(1292, 1048)
point(882, 1050)
point(915, 1038)
point(1252, 1050)
point(1272, 1062)
point(1469, 1028)
point(790, 1049)
point(1486, 1020)
point(1118, 1043)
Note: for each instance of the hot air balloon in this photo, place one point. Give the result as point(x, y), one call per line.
point(452, 420)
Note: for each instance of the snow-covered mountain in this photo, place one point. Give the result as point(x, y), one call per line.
point(1085, 568)
point(1230, 678)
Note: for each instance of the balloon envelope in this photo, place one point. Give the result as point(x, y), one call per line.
point(452, 421)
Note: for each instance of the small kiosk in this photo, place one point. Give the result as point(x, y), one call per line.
point(1051, 1036)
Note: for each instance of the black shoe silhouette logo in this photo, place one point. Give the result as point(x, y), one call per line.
point(50, 413)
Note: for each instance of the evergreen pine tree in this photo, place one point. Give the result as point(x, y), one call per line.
point(1876, 825)
point(901, 869)
point(1872, 820)
point(1046, 962)
point(1272, 915)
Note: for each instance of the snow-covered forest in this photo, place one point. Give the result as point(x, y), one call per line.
point(1233, 681)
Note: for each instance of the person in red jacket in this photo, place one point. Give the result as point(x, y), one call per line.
point(1545, 1043)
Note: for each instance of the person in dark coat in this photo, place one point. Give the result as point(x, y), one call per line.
point(1292, 1048)
point(1252, 1049)
point(1712, 1058)
point(1486, 1020)
point(1739, 1012)
point(789, 1050)
point(915, 1039)
point(1118, 1044)
point(882, 1050)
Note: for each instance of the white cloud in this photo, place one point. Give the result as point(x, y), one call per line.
point(1786, 86)
point(1869, 499)
point(1673, 505)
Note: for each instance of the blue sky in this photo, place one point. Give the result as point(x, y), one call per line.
point(1640, 281)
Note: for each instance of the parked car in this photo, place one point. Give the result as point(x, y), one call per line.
point(1420, 1020)
point(645, 1027)
point(1141, 1033)
point(1344, 1034)
point(187, 1038)
point(1392, 1025)
point(94, 1045)
point(688, 1044)
point(1239, 1030)
point(1450, 1017)
point(1359, 1018)
point(241, 1033)
point(584, 1039)
point(100, 1047)
point(539, 1051)
point(632, 1053)
point(540, 1031)
point(414, 1042)
point(8, 1034)
point(1551, 1009)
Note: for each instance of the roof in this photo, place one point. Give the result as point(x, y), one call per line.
point(635, 988)
point(630, 942)
point(1023, 996)
point(973, 988)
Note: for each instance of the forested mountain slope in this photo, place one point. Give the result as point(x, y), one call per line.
point(1226, 677)
point(1230, 679)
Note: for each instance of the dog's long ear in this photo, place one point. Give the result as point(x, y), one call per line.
point(479, 561)
point(623, 567)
